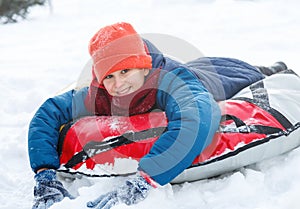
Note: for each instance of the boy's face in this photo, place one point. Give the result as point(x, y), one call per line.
point(123, 82)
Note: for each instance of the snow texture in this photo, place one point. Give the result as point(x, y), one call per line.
point(44, 54)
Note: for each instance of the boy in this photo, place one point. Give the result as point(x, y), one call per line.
point(131, 76)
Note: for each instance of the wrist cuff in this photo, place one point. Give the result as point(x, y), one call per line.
point(46, 175)
point(148, 179)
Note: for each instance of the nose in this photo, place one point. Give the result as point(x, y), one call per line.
point(118, 82)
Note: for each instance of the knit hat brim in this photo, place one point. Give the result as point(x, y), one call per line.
point(108, 65)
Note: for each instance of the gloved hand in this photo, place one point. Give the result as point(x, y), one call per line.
point(48, 190)
point(134, 191)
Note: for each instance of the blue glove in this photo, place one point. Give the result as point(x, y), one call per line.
point(48, 190)
point(134, 191)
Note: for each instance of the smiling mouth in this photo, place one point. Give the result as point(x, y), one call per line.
point(124, 91)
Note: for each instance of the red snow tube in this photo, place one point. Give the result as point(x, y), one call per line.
point(102, 139)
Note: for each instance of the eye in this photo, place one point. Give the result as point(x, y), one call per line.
point(124, 71)
point(108, 77)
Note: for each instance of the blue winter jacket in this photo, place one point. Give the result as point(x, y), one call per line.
point(187, 94)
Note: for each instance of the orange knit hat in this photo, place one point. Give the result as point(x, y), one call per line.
point(117, 47)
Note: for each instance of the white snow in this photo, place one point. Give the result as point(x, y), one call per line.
point(44, 54)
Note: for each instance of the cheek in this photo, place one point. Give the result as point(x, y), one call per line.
point(137, 82)
point(140, 83)
point(108, 86)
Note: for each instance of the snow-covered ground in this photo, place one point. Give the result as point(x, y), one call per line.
point(47, 52)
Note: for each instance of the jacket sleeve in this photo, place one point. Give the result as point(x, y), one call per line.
point(193, 117)
point(44, 127)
